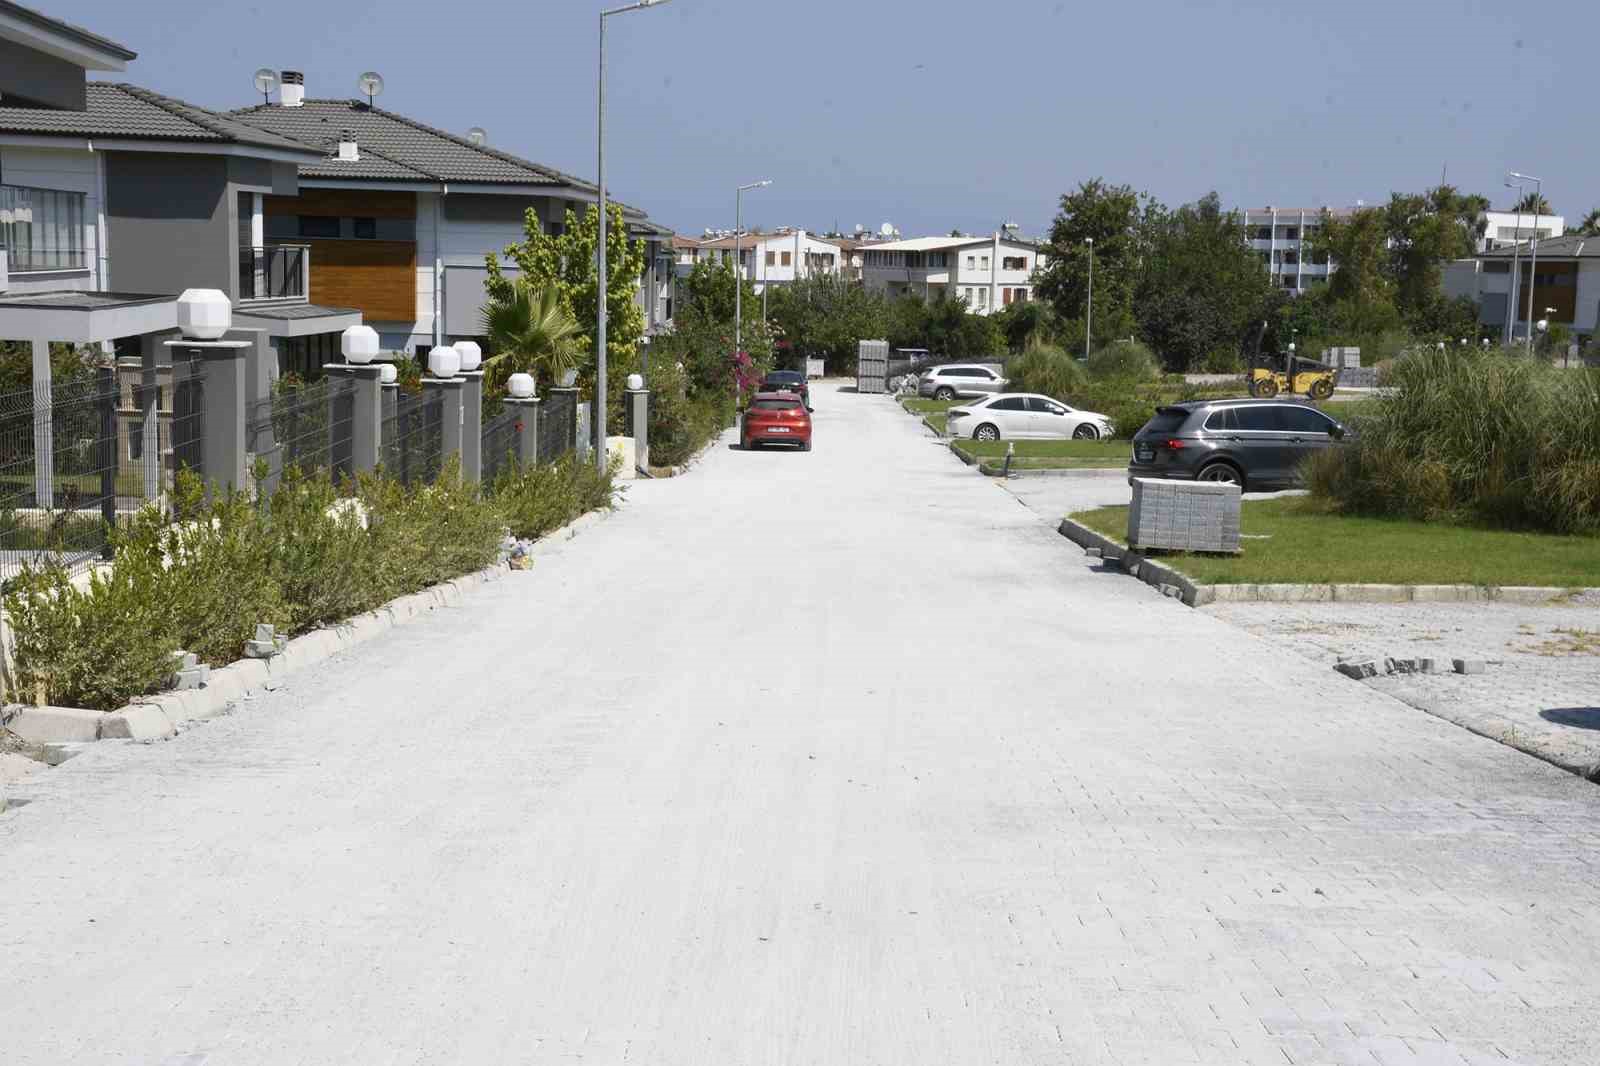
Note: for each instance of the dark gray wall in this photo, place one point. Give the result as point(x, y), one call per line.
point(486, 207)
point(171, 223)
point(40, 79)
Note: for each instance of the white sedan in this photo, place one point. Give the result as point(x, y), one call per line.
point(1023, 416)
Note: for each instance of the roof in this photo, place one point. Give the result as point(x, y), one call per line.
point(65, 29)
point(118, 110)
point(289, 312)
point(1312, 212)
point(933, 244)
point(1575, 246)
point(395, 147)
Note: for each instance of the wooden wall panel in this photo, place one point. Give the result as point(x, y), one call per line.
point(379, 278)
point(345, 203)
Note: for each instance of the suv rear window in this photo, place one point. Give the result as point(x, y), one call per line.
point(776, 405)
point(1167, 420)
point(1223, 420)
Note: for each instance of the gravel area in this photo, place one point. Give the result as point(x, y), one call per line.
point(1539, 692)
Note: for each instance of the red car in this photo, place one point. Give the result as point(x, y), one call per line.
point(776, 418)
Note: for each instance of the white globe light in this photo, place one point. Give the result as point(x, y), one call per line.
point(635, 382)
point(204, 314)
point(359, 344)
point(1543, 324)
point(444, 361)
point(471, 355)
point(520, 386)
point(388, 374)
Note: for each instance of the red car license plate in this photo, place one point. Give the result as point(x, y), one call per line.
point(778, 429)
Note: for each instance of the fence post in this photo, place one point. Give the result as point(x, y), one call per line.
point(44, 437)
point(106, 453)
point(569, 431)
point(527, 428)
point(582, 433)
point(472, 426)
point(366, 421)
point(639, 419)
point(151, 354)
point(449, 416)
point(222, 446)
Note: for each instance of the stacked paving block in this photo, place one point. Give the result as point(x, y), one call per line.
point(1194, 516)
point(872, 366)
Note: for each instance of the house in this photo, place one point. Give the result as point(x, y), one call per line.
point(398, 216)
point(777, 258)
point(986, 273)
point(1565, 280)
point(1502, 229)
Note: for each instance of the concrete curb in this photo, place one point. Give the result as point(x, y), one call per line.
point(991, 470)
point(1197, 595)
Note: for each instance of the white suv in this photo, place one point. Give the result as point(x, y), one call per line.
point(959, 379)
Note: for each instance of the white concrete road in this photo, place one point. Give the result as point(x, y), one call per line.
point(843, 759)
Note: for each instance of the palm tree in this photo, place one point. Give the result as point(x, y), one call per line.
point(1590, 226)
point(531, 331)
point(1533, 203)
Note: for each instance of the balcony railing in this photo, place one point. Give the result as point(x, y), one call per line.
point(42, 229)
point(275, 272)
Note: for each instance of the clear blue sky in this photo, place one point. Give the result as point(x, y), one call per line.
point(935, 114)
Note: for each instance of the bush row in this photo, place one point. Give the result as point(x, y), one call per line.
point(1118, 381)
point(1474, 436)
point(307, 556)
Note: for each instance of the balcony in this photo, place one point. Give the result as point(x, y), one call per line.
point(42, 229)
point(279, 272)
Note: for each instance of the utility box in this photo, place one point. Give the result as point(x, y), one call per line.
point(1191, 516)
point(872, 366)
point(814, 367)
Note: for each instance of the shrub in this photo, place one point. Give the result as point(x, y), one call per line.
point(1123, 360)
point(1223, 360)
point(1474, 436)
point(537, 500)
point(1045, 369)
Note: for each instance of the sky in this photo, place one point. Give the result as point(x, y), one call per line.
point(935, 115)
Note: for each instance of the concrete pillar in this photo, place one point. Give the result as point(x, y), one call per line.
point(366, 419)
point(106, 457)
point(450, 415)
point(584, 439)
point(638, 401)
point(527, 429)
point(569, 431)
point(226, 367)
point(44, 465)
point(472, 426)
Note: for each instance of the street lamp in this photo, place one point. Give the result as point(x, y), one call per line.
point(1533, 253)
point(1516, 266)
point(738, 268)
point(1088, 325)
point(600, 247)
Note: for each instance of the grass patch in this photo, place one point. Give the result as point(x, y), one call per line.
point(936, 422)
point(1308, 545)
point(919, 406)
point(1046, 454)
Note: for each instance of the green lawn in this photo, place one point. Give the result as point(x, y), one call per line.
point(1305, 545)
point(935, 422)
point(1047, 454)
point(918, 406)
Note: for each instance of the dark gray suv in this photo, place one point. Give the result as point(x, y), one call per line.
point(1255, 444)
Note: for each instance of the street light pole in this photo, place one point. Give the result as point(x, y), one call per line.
point(1516, 268)
point(600, 245)
point(1533, 252)
point(1088, 326)
point(738, 271)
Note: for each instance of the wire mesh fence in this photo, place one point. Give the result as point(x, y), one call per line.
point(500, 433)
point(188, 432)
point(308, 428)
point(557, 426)
point(412, 442)
point(60, 487)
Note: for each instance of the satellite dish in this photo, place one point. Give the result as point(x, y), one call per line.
point(371, 84)
point(887, 229)
point(477, 135)
point(266, 81)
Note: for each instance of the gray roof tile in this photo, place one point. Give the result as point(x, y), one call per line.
point(66, 29)
point(118, 110)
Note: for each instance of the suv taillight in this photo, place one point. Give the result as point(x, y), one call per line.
point(1174, 444)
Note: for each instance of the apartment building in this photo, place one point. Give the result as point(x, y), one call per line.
point(1279, 236)
point(1503, 229)
point(764, 258)
point(985, 273)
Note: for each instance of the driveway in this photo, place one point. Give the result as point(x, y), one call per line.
point(830, 758)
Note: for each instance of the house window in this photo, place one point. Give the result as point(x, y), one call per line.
point(42, 229)
point(983, 297)
point(771, 258)
point(788, 259)
point(1264, 233)
point(1291, 233)
point(985, 262)
point(365, 229)
point(972, 261)
point(319, 226)
point(1014, 262)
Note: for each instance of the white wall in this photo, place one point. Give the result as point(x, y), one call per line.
point(1588, 296)
point(70, 170)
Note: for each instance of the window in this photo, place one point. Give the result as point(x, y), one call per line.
point(1290, 282)
point(1005, 297)
point(318, 226)
point(787, 260)
point(1223, 421)
point(1304, 420)
point(937, 259)
point(983, 297)
point(1259, 419)
point(42, 229)
point(1045, 407)
point(1291, 233)
point(1263, 233)
point(1014, 262)
point(1010, 403)
point(972, 262)
point(986, 262)
point(772, 258)
point(365, 229)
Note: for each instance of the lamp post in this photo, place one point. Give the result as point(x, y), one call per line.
point(738, 269)
point(600, 245)
point(1533, 252)
point(1088, 326)
point(1516, 267)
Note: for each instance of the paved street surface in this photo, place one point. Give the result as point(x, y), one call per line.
point(834, 759)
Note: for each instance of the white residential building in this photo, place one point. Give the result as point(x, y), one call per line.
point(986, 273)
point(1502, 229)
point(1278, 236)
point(775, 258)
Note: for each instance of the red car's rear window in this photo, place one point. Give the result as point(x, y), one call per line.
point(775, 405)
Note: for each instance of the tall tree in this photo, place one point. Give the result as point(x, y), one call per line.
point(530, 332)
point(1533, 203)
point(1590, 226)
point(826, 315)
point(1113, 216)
point(1425, 231)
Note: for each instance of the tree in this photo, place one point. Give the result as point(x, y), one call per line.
point(1590, 226)
point(1533, 203)
point(1028, 323)
point(531, 332)
point(702, 336)
point(826, 315)
point(1113, 216)
point(1202, 287)
point(944, 327)
point(566, 262)
point(1425, 231)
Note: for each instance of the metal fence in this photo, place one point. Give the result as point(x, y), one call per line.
point(306, 428)
point(60, 486)
point(557, 426)
point(500, 434)
point(412, 445)
point(188, 432)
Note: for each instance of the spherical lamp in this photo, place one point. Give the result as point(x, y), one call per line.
point(635, 382)
point(388, 373)
point(520, 386)
point(204, 314)
point(471, 355)
point(359, 345)
point(444, 361)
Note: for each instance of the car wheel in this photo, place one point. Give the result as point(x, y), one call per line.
point(986, 432)
point(1265, 389)
point(1226, 473)
point(1085, 432)
point(945, 393)
point(1321, 390)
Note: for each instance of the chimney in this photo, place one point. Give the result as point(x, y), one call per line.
point(349, 152)
point(292, 88)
